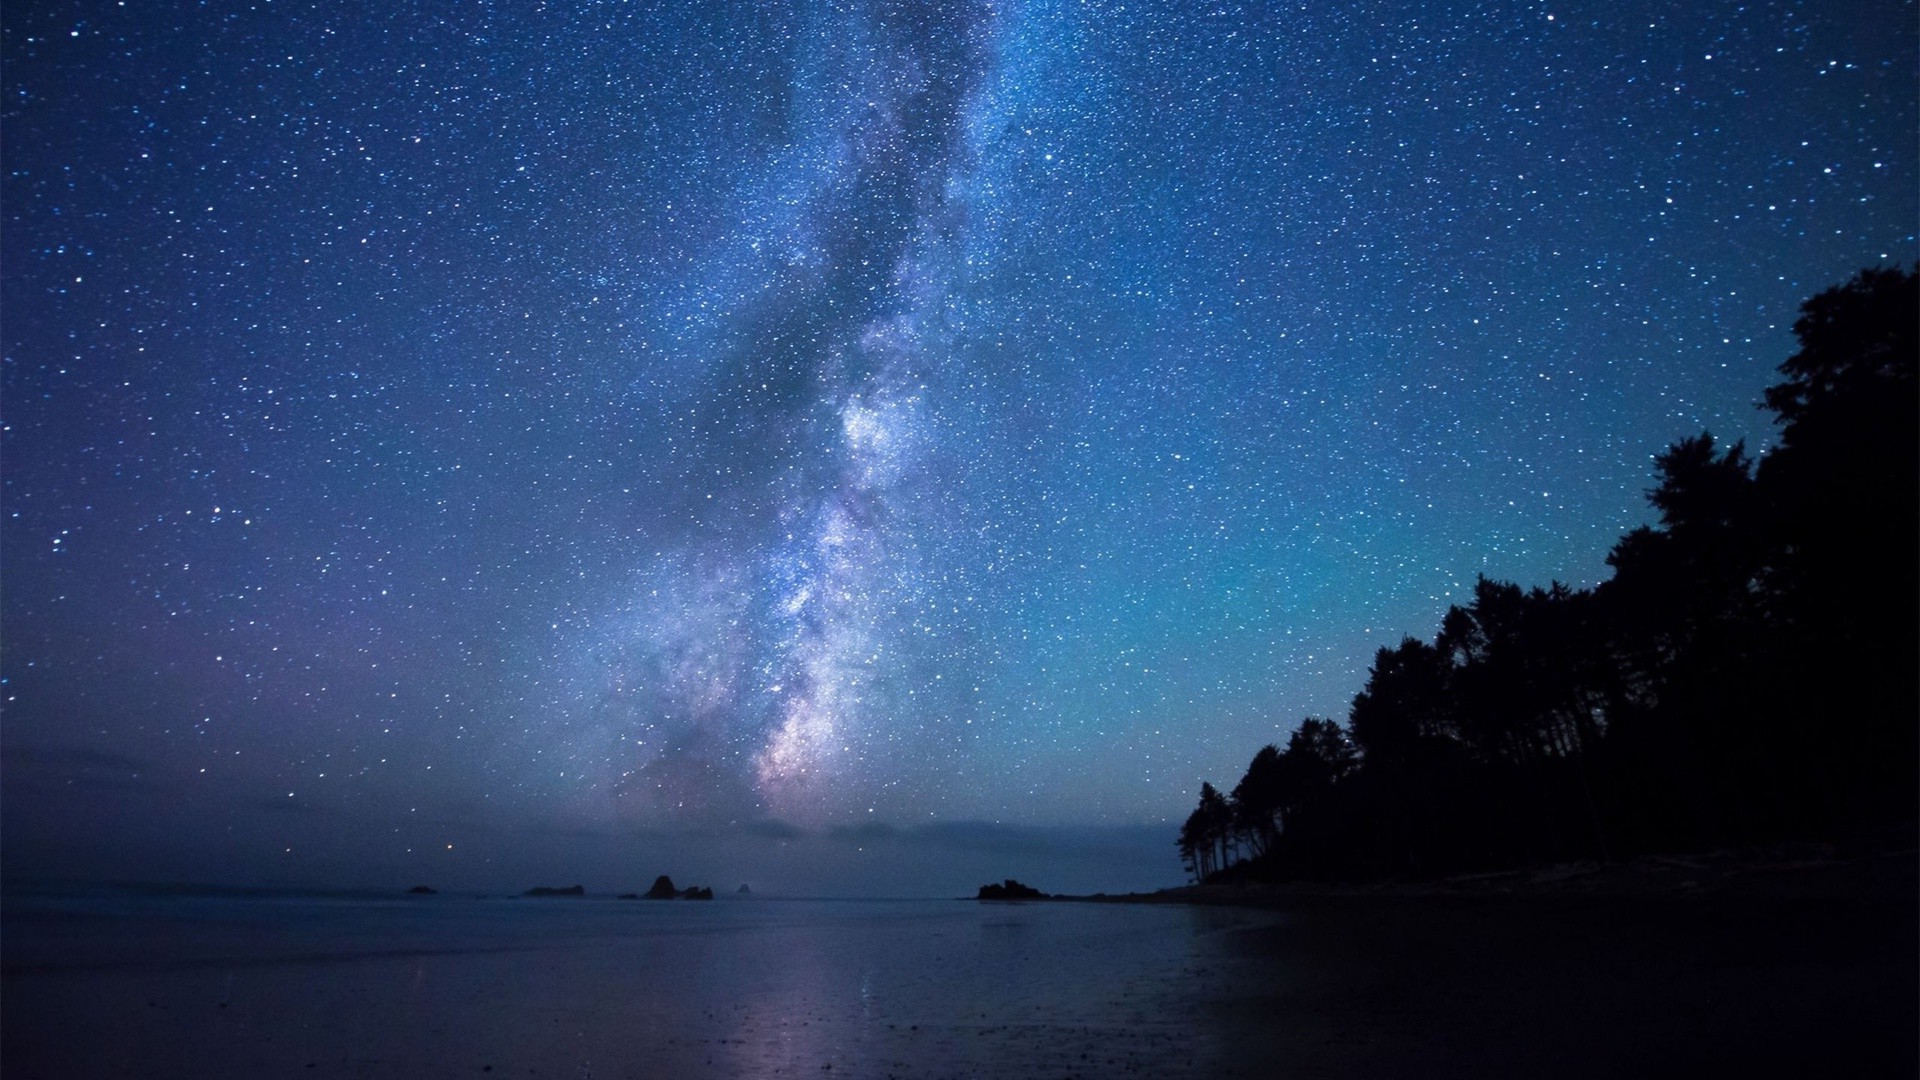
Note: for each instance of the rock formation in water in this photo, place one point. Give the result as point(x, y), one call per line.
point(663, 890)
point(421, 890)
point(1010, 890)
point(546, 890)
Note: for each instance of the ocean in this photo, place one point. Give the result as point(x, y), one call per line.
point(120, 983)
point(1798, 974)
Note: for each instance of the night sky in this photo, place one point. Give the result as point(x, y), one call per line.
point(820, 444)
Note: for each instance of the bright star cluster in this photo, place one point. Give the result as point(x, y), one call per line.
point(806, 415)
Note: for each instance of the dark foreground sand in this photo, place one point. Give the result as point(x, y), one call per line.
point(1801, 973)
point(1790, 971)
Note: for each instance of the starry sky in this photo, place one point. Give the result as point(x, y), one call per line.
point(828, 442)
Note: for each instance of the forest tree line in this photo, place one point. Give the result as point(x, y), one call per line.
point(1747, 674)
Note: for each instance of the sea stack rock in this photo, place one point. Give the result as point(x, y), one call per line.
point(662, 889)
point(1010, 890)
point(698, 892)
point(743, 891)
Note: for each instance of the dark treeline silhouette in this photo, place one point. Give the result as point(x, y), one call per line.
point(1747, 674)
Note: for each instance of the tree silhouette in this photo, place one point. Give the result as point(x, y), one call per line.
point(1845, 525)
point(1259, 798)
point(1216, 823)
point(1748, 673)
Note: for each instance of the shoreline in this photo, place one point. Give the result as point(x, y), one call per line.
point(1803, 872)
point(1751, 964)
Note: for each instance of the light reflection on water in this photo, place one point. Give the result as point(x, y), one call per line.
point(444, 986)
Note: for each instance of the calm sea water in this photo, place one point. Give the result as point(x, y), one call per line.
point(109, 985)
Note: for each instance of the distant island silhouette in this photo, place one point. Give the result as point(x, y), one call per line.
point(663, 890)
point(1010, 890)
point(1747, 675)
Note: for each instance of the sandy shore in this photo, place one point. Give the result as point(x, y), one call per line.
point(1724, 964)
point(1808, 871)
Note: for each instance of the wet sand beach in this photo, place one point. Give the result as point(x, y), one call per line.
point(1717, 984)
